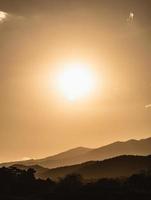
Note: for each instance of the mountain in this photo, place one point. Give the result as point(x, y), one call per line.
point(130, 147)
point(81, 154)
point(121, 166)
point(69, 157)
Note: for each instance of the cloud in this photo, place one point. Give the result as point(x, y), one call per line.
point(131, 17)
point(148, 106)
point(3, 16)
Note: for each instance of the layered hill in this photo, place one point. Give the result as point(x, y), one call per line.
point(70, 157)
point(122, 166)
point(81, 154)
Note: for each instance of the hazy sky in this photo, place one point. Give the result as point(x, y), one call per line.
point(37, 37)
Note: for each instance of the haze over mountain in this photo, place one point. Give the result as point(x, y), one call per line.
point(117, 167)
point(69, 157)
point(81, 154)
point(39, 39)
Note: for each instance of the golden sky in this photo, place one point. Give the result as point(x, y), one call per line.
point(37, 39)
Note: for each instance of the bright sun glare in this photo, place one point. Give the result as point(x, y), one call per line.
point(76, 81)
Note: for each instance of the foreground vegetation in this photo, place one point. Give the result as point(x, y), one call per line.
point(16, 184)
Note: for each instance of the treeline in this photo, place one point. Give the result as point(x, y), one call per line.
point(16, 184)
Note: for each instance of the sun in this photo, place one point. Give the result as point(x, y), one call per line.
point(76, 81)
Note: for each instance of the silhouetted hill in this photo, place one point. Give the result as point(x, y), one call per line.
point(122, 166)
point(130, 147)
point(69, 157)
point(17, 184)
point(81, 154)
point(39, 171)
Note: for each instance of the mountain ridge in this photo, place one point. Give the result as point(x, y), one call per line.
point(82, 154)
point(117, 167)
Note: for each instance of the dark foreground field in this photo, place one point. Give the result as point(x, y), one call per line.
point(16, 184)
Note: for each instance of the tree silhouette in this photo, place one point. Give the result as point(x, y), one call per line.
point(16, 184)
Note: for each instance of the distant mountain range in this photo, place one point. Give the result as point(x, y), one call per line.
point(82, 154)
point(122, 166)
